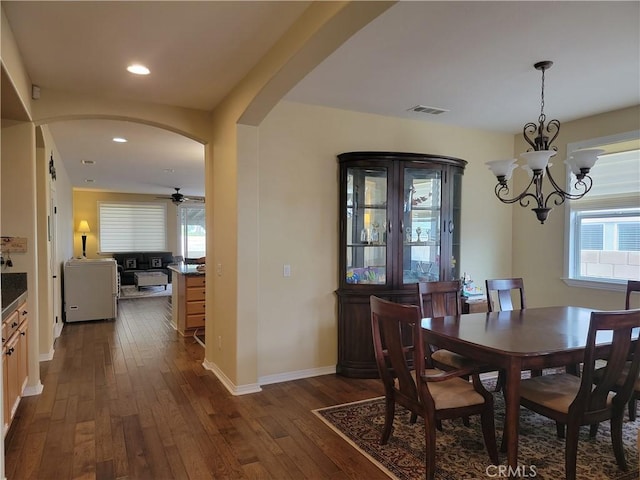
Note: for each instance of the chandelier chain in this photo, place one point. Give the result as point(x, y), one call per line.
point(542, 117)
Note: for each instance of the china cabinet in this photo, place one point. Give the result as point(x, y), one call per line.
point(399, 224)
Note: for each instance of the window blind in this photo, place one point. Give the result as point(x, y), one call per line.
point(132, 227)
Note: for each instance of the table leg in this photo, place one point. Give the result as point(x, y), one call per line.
point(512, 414)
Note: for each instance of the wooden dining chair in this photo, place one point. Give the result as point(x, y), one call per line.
point(632, 286)
point(433, 394)
point(439, 299)
point(501, 293)
point(502, 289)
point(573, 401)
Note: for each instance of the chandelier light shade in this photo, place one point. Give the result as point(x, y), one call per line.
point(537, 164)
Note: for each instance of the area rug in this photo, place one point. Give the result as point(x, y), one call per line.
point(131, 291)
point(460, 450)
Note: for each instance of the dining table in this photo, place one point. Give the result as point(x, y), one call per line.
point(532, 338)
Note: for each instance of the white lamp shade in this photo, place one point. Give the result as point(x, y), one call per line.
point(538, 160)
point(585, 158)
point(569, 162)
point(83, 227)
point(527, 169)
point(502, 168)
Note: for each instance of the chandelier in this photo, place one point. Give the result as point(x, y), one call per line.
point(537, 165)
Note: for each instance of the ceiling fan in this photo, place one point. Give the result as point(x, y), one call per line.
point(178, 198)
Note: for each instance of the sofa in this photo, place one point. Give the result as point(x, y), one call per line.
point(130, 263)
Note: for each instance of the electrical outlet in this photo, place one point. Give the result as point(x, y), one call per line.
point(286, 270)
point(219, 269)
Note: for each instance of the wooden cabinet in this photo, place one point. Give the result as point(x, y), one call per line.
point(191, 303)
point(399, 224)
point(15, 350)
point(477, 306)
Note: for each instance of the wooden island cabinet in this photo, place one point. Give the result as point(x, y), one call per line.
point(188, 299)
point(399, 224)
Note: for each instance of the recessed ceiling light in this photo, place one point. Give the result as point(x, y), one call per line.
point(169, 170)
point(88, 162)
point(89, 180)
point(138, 69)
point(120, 140)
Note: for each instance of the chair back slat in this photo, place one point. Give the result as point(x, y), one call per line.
point(503, 288)
point(439, 299)
point(632, 286)
point(624, 345)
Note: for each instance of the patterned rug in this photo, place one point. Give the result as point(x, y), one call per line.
point(131, 291)
point(460, 450)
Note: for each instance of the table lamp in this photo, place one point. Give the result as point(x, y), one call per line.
point(83, 228)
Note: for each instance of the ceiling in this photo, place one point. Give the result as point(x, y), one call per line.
point(474, 59)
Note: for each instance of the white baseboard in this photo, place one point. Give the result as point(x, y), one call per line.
point(30, 391)
point(229, 385)
point(297, 375)
point(45, 357)
point(57, 330)
point(267, 379)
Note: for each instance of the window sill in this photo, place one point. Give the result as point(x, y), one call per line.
point(613, 285)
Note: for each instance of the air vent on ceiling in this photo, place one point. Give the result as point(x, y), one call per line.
point(429, 110)
point(88, 162)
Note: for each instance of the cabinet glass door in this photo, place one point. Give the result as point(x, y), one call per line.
point(456, 209)
point(366, 227)
point(421, 221)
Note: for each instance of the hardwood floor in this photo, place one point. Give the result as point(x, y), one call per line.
point(130, 399)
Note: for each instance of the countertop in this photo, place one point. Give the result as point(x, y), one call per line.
point(14, 292)
point(185, 269)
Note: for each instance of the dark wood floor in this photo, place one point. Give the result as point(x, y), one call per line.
point(130, 399)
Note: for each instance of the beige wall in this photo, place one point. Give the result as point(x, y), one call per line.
point(297, 220)
point(85, 207)
point(18, 203)
point(320, 30)
point(538, 250)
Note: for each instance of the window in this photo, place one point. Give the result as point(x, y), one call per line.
point(193, 234)
point(132, 227)
point(603, 228)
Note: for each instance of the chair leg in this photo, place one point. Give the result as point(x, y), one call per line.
point(571, 451)
point(593, 430)
point(390, 411)
point(500, 381)
point(465, 421)
point(560, 429)
point(616, 440)
point(430, 446)
point(503, 443)
point(489, 434)
point(414, 418)
point(536, 373)
point(632, 408)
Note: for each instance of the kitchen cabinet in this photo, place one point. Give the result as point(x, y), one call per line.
point(399, 224)
point(15, 350)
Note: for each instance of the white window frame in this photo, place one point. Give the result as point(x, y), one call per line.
point(569, 238)
point(160, 206)
point(182, 229)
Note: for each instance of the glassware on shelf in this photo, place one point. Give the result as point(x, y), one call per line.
point(375, 234)
point(408, 234)
point(364, 235)
point(418, 232)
